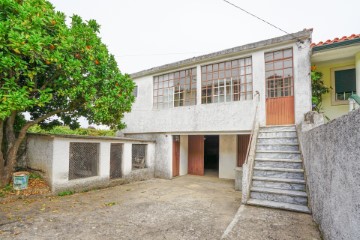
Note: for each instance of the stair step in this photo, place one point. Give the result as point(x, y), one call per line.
point(285, 206)
point(276, 151)
point(277, 140)
point(278, 154)
point(262, 137)
point(279, 191)
point(284, 185)
point(279, 169)
point(274, 144)
point(279, 195)
point(283, 130)
point(278, 134)
point(279, 164)
point(279, 160)
point(286, 180)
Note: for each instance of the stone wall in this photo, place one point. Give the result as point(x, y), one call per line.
point(332, 164)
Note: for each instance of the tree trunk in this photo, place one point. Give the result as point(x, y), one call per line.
point(2, 160)
point(12, 144)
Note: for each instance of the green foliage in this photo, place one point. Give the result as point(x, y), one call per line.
point(34, 175)
point(6, 190)
point(68, 131)
point(49, 67)
point(66, 193)
point(318, 89)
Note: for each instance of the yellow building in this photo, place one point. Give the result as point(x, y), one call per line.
point(339, 62)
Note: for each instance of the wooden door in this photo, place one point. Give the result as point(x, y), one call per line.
point(243, 142)
point(196, 155)
point(176, 156)
point(279, 87)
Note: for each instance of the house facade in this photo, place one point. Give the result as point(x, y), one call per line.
point(201, 110)
point(339, 62)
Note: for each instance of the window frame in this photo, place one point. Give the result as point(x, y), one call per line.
point(172, 95)
point(285, 90)
point(225, 87)
point(333, 91)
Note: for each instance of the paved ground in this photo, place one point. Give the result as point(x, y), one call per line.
point(187, 207)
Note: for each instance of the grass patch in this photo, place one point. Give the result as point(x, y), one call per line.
point(66, 193)
point(34, 175)
point(6, 190)
point(110, 204)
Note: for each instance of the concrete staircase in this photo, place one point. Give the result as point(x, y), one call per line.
point(278, 176)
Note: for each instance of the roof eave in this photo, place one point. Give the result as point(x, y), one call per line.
point(301, 35)
point(335, 45)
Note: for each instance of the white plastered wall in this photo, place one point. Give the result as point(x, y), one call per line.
point(227, 156)
point(184, 145)
point(60, 167)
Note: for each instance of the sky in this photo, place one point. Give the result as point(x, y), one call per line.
point(143, 34)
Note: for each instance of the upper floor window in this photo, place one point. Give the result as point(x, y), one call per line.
point(175, 89)
point(279, 73)
point(135, 91)
point(227, 81)
point(343, 83)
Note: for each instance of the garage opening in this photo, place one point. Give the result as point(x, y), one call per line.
point(211, 155)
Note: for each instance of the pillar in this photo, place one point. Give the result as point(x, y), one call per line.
point(357, 66)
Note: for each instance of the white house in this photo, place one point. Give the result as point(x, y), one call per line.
point(201, 110)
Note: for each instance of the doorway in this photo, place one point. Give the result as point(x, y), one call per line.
point(211, 155)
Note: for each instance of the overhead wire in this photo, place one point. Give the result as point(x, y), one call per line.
point(261, 19)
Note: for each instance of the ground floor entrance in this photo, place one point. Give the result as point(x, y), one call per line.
point(213, 155)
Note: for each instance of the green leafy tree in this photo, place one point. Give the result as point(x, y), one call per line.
point(47, 69)
point(318, 89)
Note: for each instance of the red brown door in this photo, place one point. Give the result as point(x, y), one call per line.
point(243, 142)
point(176, 156)
point(279, 87)
point(196, 155)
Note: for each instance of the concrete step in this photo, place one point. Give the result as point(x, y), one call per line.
point(277, 154)
point(278, 147)
point(286, 180)
point(279, 172)
point(285, 206)
point(279, 195)
point(283, 140)
point(279, 128)
point(278, 134)
point(284, 185)
point(278, 163)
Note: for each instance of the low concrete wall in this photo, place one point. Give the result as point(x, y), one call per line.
point(39, 150)
point(50, 154)
point(332, 163)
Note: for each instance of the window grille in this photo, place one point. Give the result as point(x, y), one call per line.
point(227, 81)
point(83, 160)
point(175, 89)
point(279, 73)
point(138, 156)
point(116, 152)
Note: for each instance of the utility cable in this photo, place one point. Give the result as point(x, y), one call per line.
point(259, 18)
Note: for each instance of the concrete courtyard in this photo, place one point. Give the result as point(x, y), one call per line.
point(188, 207)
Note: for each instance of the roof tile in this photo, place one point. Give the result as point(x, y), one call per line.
point(335, 40)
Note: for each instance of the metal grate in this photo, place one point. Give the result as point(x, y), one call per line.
point(138, 156)
point(83, 160)
point(116, 151)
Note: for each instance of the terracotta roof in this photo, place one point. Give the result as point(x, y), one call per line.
point(335, 40)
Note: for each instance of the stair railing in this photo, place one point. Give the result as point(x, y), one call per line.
point(250, 154)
